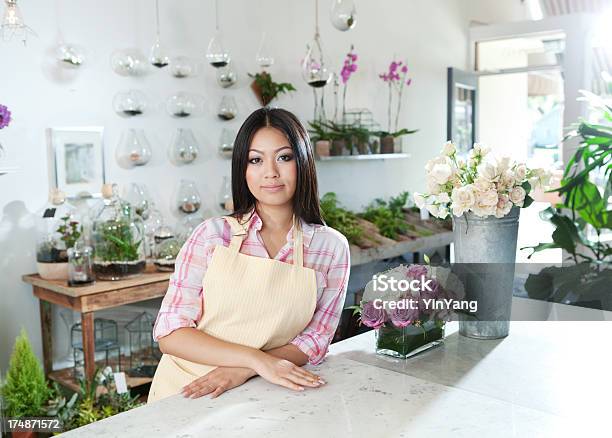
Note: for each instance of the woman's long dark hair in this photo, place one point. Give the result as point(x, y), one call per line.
point(306, 197)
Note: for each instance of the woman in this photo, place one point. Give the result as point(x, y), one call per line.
point(260, 291)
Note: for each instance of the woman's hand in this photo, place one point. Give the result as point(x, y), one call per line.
point(217, 381)
point(285, 373)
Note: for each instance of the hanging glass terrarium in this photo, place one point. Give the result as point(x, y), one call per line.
point(183, 105)
point(188, 199)
point(69, 55)
point(264, 58)
point(138, 197)
point(130, 103)
point(118, 239)
point(152, 224)
point(216, 54)
point(158, 56)
point(184, 148)
point(228, 109)
point(187, 225)
point(226, 201)
point(129, 62)
point(58, 228)
point(226, 77)
point(343, 14)
point(314, 71)
point(226, 143)
point(183, 67)
point(135, 149)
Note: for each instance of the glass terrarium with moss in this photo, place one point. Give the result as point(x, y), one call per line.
point(165, 253)
point(117, 237)
point(58, 228)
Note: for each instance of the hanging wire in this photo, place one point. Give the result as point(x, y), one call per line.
point(316, 18)
point(217, 15)
point(157, 16)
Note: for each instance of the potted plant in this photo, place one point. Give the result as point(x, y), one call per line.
point(346, 222)
point(389, 140)
point(484, 197)
point(25, 389)
point(321, 137)
point(51, 251)
point(407, 317)
point(582, 220)
point(388, 216)
point(266, 89)
point(396, 78)
point(96, 399)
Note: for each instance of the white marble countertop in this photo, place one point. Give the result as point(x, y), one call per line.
point(545, 379)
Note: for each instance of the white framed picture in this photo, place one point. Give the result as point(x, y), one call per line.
point(78, 160)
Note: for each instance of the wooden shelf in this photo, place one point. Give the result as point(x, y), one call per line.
point(361, 256)
point(363, 157)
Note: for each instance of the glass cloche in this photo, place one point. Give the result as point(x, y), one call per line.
point(58, 228)
point(118, 238)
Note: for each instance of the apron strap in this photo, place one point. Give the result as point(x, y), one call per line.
point(298, 246)
point(238, 234)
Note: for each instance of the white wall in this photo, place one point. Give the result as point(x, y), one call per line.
point(430, 35)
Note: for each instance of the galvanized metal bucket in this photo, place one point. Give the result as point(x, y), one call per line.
point(485, 256)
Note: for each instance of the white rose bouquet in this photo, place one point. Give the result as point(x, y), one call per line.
point(482, 185)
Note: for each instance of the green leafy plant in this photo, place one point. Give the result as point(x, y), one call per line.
point(339, 218)
point(586, 205)
point(117, 242)
point(394, 134)
point(25, 390)
point(96, 399)
point(388, 216)
point(70, 231)
point(266, 89)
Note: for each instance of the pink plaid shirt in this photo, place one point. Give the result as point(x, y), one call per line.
point(325, 250)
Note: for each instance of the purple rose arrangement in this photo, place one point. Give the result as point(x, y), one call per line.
point(396, 77)
point(408, 307)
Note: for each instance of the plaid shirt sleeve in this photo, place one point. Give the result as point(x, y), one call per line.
point(182, 304)
point(315, 338)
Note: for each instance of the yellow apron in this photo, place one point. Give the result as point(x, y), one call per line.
point(254, 301)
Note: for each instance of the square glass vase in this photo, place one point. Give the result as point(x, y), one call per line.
point(405, 342)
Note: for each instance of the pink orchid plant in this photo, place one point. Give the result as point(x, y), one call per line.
point(348, 68)
point(397, 78)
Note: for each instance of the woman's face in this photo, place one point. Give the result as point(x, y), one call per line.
point(271, 172)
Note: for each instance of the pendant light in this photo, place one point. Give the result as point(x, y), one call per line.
point(158, 56)
point(13, 25)
point(216, 54)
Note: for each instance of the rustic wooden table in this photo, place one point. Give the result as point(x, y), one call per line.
point(87, 300)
